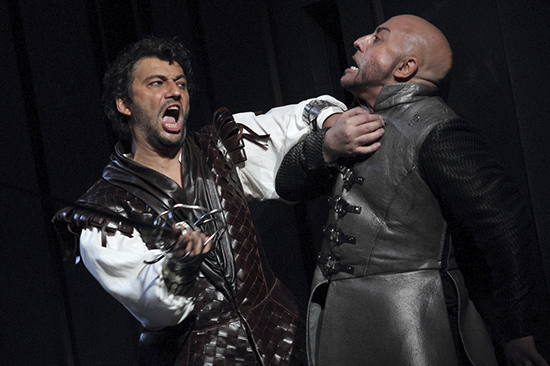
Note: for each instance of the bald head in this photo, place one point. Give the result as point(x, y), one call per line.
point(404, 49)
point(421, 40)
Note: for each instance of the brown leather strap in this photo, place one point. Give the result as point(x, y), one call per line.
point(231, 135)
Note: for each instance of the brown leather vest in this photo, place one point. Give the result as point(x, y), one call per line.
point(243, 314)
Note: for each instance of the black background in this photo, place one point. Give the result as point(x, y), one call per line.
point(249, 55)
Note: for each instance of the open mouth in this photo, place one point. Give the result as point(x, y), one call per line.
point(171, 118)
point(172, 112)
point(354, 64)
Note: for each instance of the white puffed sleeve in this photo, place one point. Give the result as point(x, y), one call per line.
point(121, 269)
point(286, 127)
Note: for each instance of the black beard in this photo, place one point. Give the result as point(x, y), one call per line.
point(154, 136)
point(158, 142)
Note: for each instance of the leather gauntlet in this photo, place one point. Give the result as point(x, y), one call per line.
point(180, 274)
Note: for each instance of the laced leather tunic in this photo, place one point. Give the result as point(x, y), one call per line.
point(242, 315)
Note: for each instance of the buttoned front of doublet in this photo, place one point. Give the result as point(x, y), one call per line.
point(339, 228)
point(382, 215)
point(387, 305)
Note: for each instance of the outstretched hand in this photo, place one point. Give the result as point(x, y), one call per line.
point(354, 132)
point(522, 352)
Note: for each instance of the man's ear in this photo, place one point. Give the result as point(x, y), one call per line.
point(122, 105)
point(406, 69)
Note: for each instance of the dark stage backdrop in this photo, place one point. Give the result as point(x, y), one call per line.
point(248, 55)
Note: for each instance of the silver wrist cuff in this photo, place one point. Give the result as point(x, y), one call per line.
point(312, 111)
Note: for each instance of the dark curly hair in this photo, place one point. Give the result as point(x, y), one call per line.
point(119, 75)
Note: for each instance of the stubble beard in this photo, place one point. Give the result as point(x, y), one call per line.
point(153, 136)
point(370, 75)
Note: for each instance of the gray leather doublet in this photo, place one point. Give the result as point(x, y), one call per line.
point(385, 246)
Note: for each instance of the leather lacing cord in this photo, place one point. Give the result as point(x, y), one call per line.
point(252, 136)
point(104, 235)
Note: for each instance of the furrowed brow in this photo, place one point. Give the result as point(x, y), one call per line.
point(151, 77)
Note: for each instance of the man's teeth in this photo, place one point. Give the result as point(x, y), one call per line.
point(171, 116)
point(353, 67)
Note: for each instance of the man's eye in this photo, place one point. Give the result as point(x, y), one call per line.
point(182, 85)
point(376, 39)
point(156, 82)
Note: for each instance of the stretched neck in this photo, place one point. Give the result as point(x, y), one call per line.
point(368, 97)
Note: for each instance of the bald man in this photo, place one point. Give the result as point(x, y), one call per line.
point(387, 289)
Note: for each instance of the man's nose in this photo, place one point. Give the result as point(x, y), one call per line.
point(173, 90)
point(362, 43)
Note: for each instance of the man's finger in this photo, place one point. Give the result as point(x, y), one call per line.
point(368, 118)
point(369, 149)
point(207, 246)
point(196, 242)
point(368, 143)
point(372, 126)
